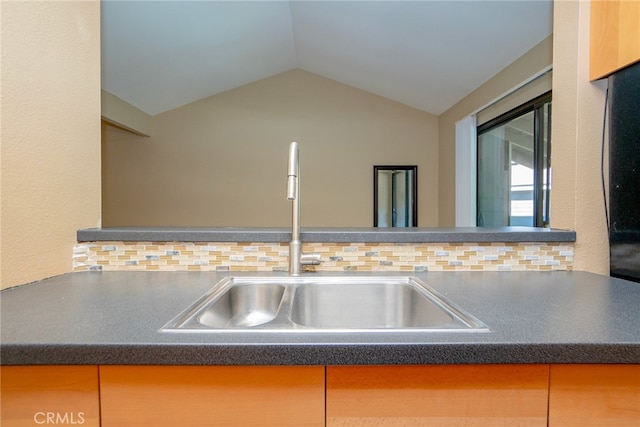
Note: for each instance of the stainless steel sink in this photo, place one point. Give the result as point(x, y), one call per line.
point(243, 306)
point(323, 303)
point(366, 306)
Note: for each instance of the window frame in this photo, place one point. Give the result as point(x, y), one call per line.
point(536, 105)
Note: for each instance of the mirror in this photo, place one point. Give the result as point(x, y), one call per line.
point(395, 200)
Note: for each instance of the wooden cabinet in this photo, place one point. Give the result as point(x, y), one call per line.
point(614, 36)
point(469, 395)
point(49, 395)
point(433, 395)
point(594, 395)
point(212, 396)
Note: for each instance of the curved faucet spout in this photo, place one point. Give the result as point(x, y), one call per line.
point(293, 194)
point(296, 258)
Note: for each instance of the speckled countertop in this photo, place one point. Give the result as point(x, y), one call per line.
point(341, 235)
point(115, 318)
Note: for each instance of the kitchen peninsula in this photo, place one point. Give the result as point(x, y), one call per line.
point(553, 337)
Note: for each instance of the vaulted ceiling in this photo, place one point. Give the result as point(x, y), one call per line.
point(159, 55)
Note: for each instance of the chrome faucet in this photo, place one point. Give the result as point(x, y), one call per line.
point(296, 258)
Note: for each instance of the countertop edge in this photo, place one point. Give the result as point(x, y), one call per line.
point(321, 354)
point(337, 235)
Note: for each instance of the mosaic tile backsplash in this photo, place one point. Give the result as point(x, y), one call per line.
point(241, 256)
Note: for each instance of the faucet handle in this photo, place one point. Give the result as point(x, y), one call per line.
point(310, 259)
point(293, 171)
point(291, 187)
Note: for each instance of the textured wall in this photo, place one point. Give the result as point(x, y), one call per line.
point(50, 161)
point(577, 117)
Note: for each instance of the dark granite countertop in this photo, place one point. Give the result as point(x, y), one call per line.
point(115, 318)
point(341, 235)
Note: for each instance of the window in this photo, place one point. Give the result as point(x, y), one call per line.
point(513, 155)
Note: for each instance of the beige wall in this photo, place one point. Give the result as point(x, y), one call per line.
point(535, 60)
point(50, 152)
point(578, 108)
point(221, 161)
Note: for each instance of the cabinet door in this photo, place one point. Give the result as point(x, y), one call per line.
point(43, 395)
point(594, 395)
point(468, 395)
point(212, 396)
point(614, 36)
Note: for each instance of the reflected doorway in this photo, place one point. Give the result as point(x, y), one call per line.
point(395, 196)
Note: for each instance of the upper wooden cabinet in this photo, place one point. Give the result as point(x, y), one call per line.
point(614, 37)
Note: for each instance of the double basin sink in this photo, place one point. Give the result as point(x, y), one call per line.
point(322, 303)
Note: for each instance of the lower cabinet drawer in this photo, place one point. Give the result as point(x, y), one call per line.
point(49, 395)
point(461, 395)
point(594, 395)
point(212, 396)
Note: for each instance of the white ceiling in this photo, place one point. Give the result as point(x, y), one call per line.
point(159, 55)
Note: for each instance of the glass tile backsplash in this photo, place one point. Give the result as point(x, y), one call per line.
point(255, 256)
